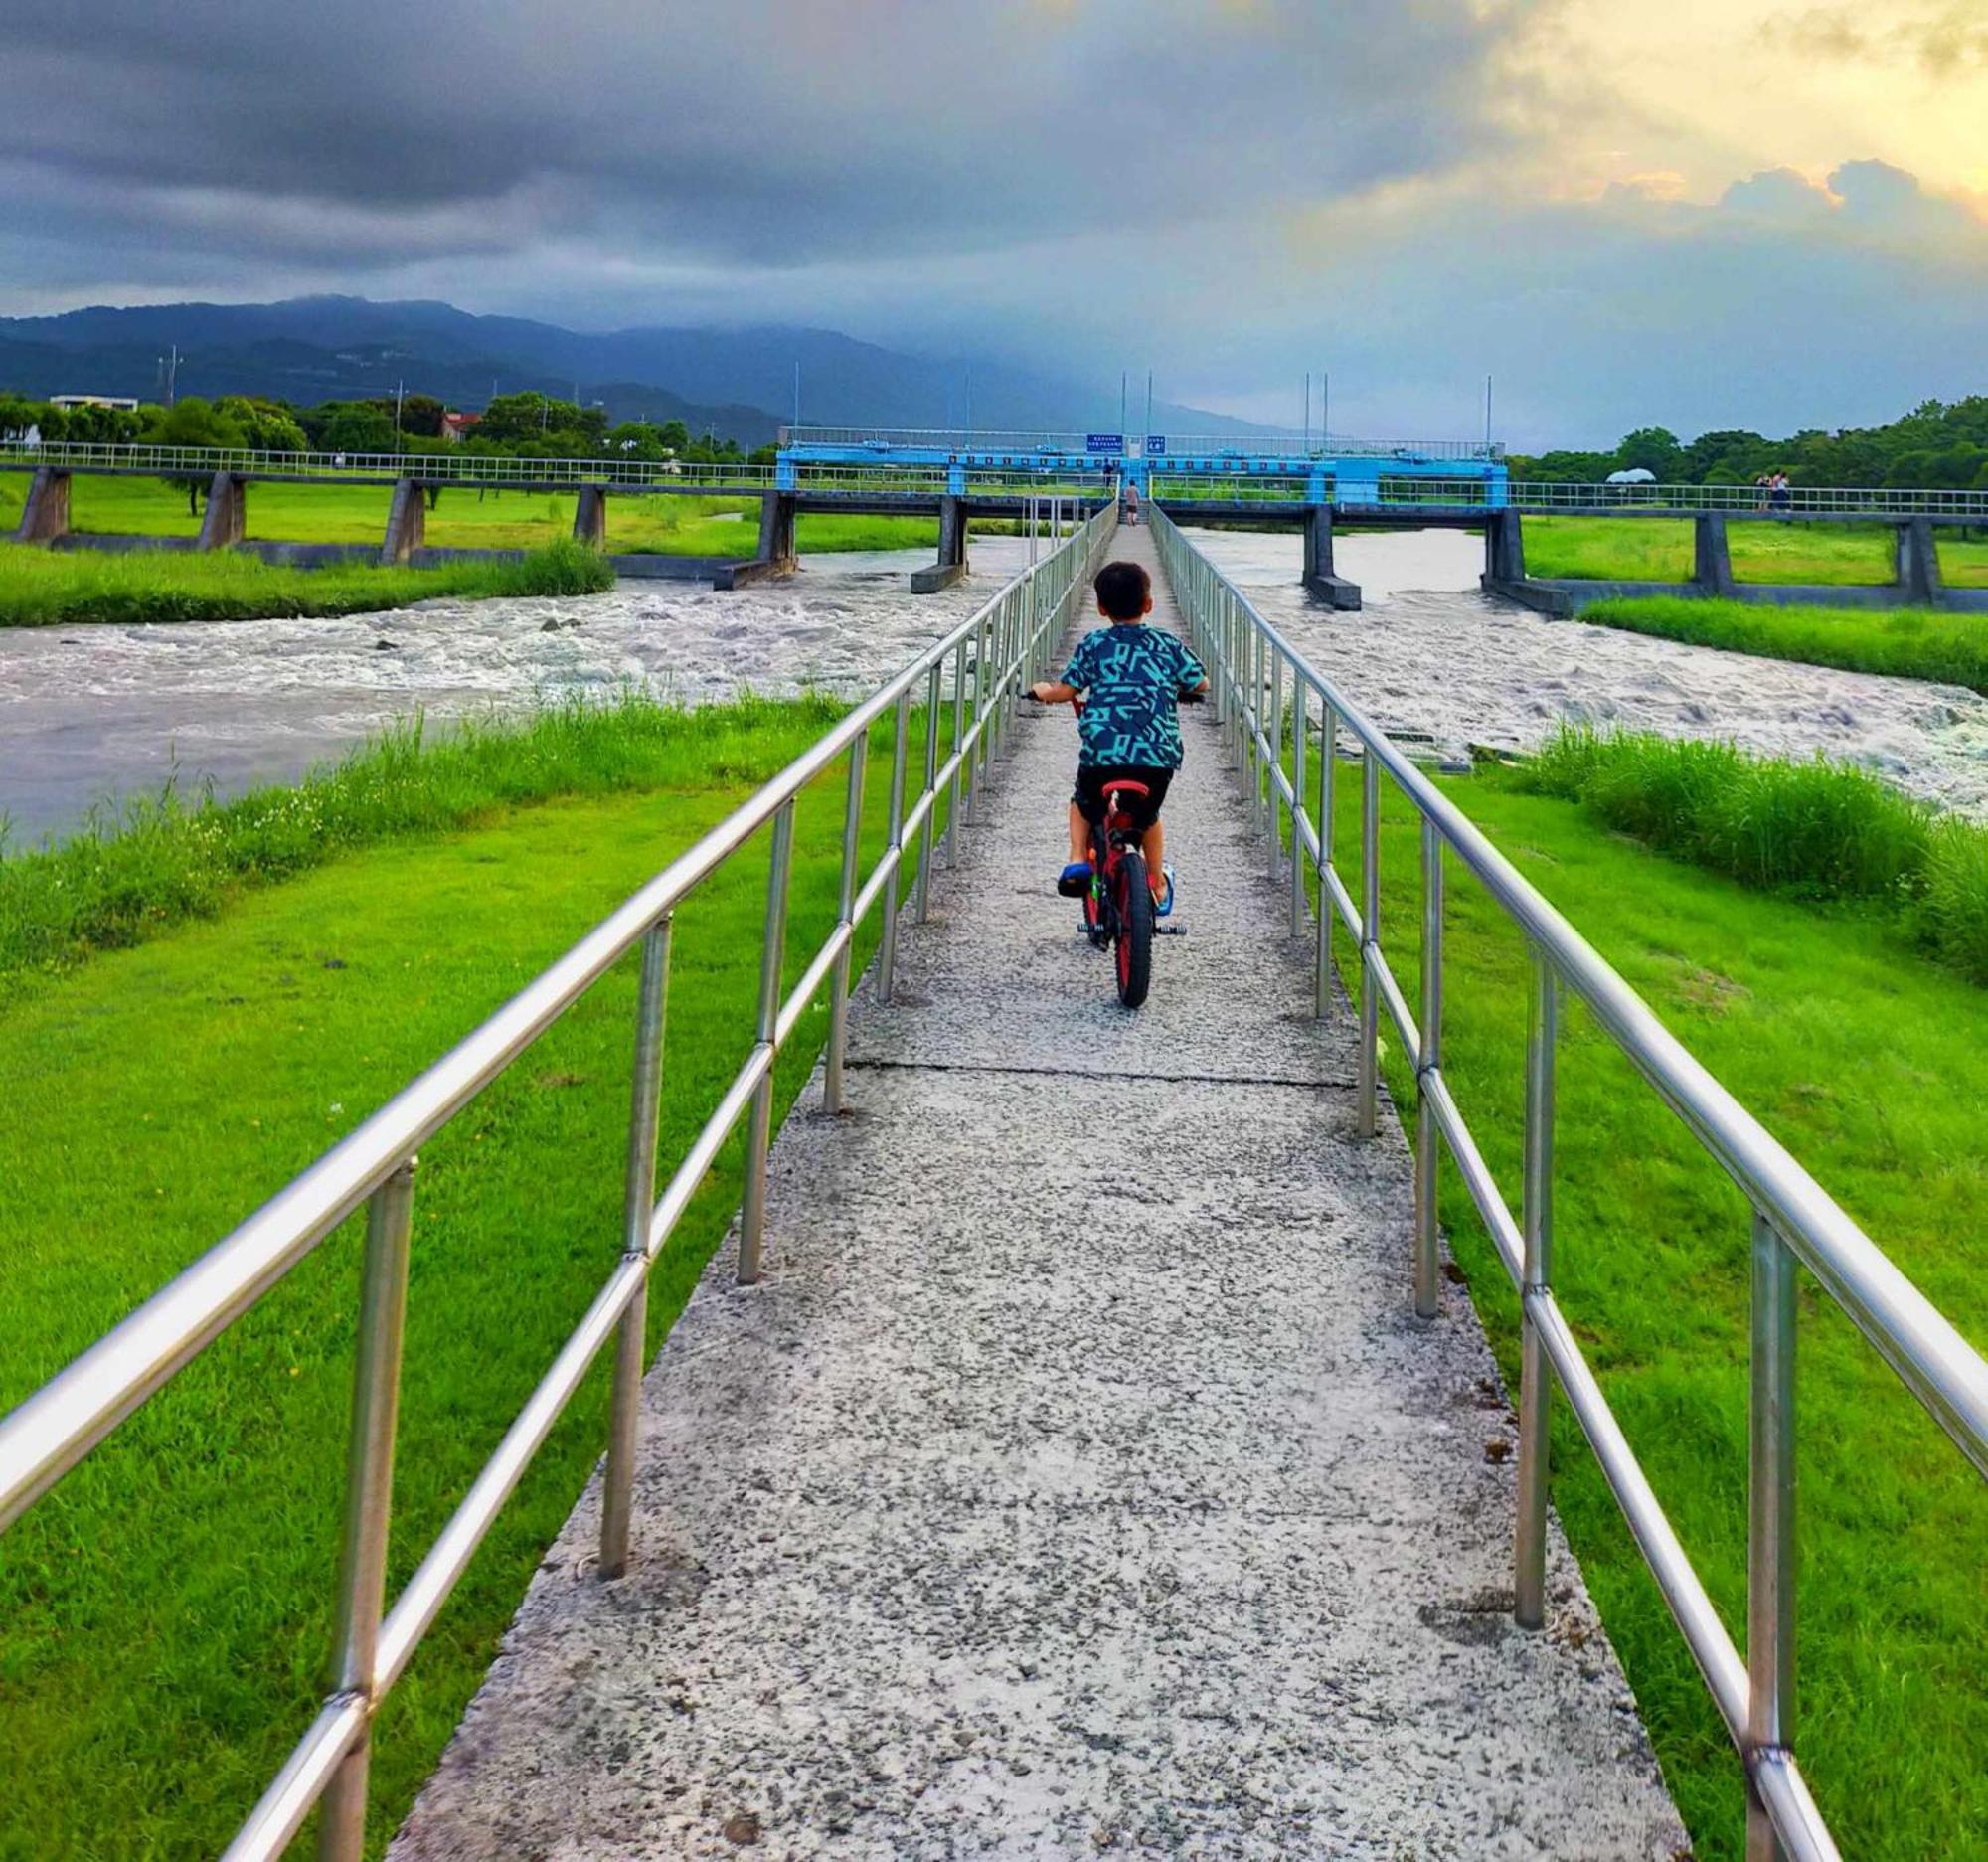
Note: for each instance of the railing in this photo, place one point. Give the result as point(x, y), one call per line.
point(1283, 722)
point(1654, 500)
point(1229, 469)
point(1210, 445)
point(1007, 642)
point(451, 468)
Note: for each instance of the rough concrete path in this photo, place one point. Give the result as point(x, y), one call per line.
point(1078, 1480)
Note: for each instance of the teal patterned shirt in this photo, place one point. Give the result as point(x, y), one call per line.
point(1133, 675)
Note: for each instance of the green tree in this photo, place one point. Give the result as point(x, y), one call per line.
point(356, 426)
point(637, 439)
point(1652, 450)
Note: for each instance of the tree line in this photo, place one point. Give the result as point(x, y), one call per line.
point(1938, 446)
point(526, 425)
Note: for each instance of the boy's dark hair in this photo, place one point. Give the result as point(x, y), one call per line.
point(1122, 589)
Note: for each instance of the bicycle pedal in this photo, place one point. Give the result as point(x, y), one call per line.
point(1169, 930)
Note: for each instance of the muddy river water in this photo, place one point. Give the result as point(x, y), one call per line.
point(92, 713)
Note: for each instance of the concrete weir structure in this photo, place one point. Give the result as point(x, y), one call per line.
point(1917, 583)
point(1078, 1478)
point(1316, 484)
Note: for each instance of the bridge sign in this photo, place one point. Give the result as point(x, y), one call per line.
point(1156, 445)
point(1104, 443)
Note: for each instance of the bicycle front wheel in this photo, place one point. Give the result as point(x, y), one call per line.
point(1135, 930)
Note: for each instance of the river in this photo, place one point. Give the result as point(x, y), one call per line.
point(1430, 656)
point(88, 715)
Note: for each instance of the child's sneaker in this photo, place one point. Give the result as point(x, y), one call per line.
point(1163, 906)
point(1074, 880)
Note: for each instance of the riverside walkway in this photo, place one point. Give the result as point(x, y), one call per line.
point(1078, 1479)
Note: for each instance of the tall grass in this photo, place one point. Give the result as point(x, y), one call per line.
point(1820, 829)
point(133, 873)
point(47, 588)
point(1908, 642)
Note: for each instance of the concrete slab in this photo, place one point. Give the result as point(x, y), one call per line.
point(1078, 1480)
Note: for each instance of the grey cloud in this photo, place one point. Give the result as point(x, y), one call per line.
point(754, 130)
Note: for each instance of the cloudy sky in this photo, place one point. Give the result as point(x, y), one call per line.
point(1698, 213)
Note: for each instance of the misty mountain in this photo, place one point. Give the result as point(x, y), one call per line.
point(740, 382)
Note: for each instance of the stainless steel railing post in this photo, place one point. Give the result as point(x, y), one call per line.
point(928, 835)
point(1529, 1559)
point(887, 953)
point(953, 823)
point(1274, 763)
point(1771, 1522)
point(838, 989)
point(1328, 803)
point(368, 1499)
point(1429, 1141)
point(772, 954)
point(1300, 704)
point(1367, 1111)
point(638, 1206)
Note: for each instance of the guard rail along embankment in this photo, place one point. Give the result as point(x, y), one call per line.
point(1283, 722)
point(1007, 642)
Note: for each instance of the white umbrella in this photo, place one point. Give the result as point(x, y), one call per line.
point(1635, 475)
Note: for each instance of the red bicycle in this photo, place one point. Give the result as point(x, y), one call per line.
point(1119, 908)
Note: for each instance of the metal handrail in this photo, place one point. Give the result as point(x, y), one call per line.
point(1204, 471)
point(1005, 642)
point(1265, 690)
point(451, 468)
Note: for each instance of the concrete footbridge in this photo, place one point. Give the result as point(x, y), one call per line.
point(1316, 484)
point(1079, 1446)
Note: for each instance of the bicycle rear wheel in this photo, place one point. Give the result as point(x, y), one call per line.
point(1135, 930)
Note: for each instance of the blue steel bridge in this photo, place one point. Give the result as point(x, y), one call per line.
point(1312, 483)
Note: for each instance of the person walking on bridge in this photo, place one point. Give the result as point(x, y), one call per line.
point(1131, 503)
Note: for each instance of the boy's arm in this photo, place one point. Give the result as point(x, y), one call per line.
point(1052, 692)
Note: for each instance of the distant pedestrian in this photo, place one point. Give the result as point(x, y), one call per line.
point(1761, 491)
point(1778, 494)
point(1131, 502)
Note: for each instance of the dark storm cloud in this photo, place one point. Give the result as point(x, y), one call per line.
point(758, 132)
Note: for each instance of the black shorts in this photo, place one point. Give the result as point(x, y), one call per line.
point(1144, 810)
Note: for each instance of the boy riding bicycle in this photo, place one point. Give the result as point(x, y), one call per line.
point(1131, 678)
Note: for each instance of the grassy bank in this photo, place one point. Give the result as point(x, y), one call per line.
point(1819, 830)
point(167, 1611)
point(1660, 550)
point(1911, 642)
point(1865, 1063)
point(123, 880)
point(49, 588)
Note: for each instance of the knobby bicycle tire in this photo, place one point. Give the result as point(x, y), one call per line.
point(1135, 930)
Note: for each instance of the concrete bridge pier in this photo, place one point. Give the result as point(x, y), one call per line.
point(1711, 557)
point(1919, 563)
point(589, 517)
point(226, 520)
point(1318, 571)
point(952, 564)
point(777, 545)
point(407, 524)
point(45, 516)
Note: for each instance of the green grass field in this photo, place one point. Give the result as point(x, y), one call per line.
point(1911, 642)
point(465, 519)
point(166, 1612)
point(46, 588)
point(1660, 550)
point(1863, 1060)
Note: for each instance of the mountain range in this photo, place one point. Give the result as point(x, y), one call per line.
point(311, 349)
